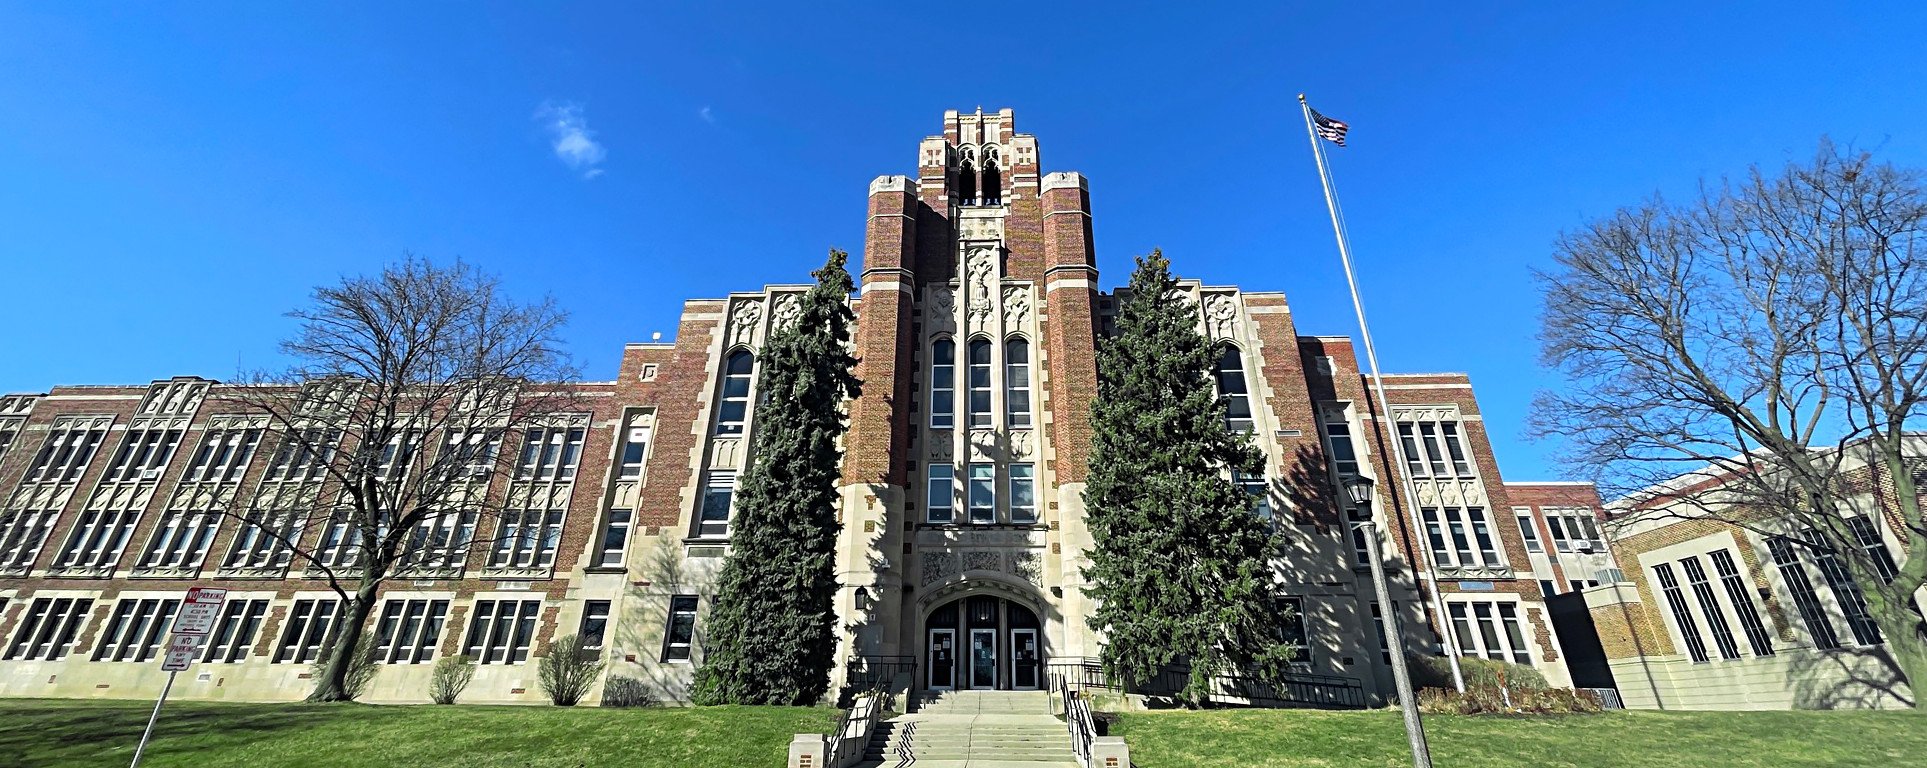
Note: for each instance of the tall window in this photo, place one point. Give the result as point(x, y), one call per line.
point(1786, 558)
point(97, 539)
point(1023, 494)
point(143, 455)
point(1736, 593)
point(1460, 536)
point(303, 456)
point(409, 631)
point(733, 409)
point(528, 539)
point(1489, 629)
point(499, 631)
point(223, 456)
point(635, 444)
point(615, 538)
point(468, 453)
point(1529, 531)
point(979, 383)
point(680, 633)
point(718, 492)
point(1852, 601)
point(1256, 487)
point(135, 632)
point(1434, 449)
point(1378, 628)
point(550, 454)
point(1867, 533)
point(943, 384)
point(306, 629)
point(1339, 446)
point(233, 638)
point(65, 455)
point(1292, 632)
point(49, 629)
point(182, 538)
point(23, 534)
point(1017, 383)
point(397, 455)
point(1683, 616)
point(595, 624)
point(1234, 389)
point(254, 547)
point(440, 540)
point(940, 502)
point(983, 493)
point(1710, 608)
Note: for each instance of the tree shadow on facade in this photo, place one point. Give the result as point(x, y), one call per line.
point(1847, 678)
point(664, 572)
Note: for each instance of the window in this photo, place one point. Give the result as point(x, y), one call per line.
point(717, 494)
point(732, 411)
point(979, 373)
point(440, 540)
point(1742, 601)
point(8, 431)
point(943, 384)
point(469, 454)
point(1470, 541)
point(1688, 629)
point(528, 539)
point(182, 539)
point(409, 630)
point(550, 454)
point(1023, 494)
point(595, 624)
point(1378, 628)
point(635, 444)
point(1260, 493)
point(1845, 590)
point(1017, 383)
point(65, 455)
point(21, 534)
point(499, 631)
point(1489, 629)
point(233, 638)
point(1548, 587)
point(303, 456)
point(615, 538)
point(1529, 531)
point(1867, 533)
point(97, 538)
point(223, 456)
point(1710, 608)
point(1339, 446)
point(940, 502)
point(983, 493)
point(1786, 559)
point(49, 629)
point(263, 540)
point(143, 455)
point(135, 632)
point(340, 543)
point(1291, 630)
point(1434, 449)
point(306, 629)
point(1235, 391)
point(681, 630)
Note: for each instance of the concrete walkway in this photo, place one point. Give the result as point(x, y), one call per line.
point(973, 729)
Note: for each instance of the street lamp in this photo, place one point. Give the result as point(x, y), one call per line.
point(1359, 488)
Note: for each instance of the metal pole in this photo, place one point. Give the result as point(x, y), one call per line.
point(1388, 624)
point(150, 720)
point(1385, 428)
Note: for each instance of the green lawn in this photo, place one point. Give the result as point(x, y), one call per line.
point(43, 733)
point(1295, 738)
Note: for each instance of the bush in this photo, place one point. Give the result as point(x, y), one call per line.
point(361, 666)
point(568, 672)
point(619, 691)
point(451, 676)
point(1483, 700)
point(1436, 672)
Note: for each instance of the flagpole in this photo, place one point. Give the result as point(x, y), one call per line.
point(1384, 411)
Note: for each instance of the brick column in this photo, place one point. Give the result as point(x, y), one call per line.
point(1070, 295)
point(879, 420)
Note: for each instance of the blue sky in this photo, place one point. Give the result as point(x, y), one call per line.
point(174, 177)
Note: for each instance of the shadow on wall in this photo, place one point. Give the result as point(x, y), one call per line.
point(1847, 678)
point(662, 575)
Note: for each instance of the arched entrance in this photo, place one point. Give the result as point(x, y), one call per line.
point(983, 642)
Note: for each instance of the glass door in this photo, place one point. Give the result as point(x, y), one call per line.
point(943, 659)
point(1024, 659)
point(983, 658)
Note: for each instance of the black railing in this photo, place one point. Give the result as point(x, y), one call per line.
point(1080, 673)
point(1077, 711)
point(1289, 690)
point(864, 673)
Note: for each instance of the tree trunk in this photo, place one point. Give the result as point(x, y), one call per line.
point(332, 684)
point(1901, 627)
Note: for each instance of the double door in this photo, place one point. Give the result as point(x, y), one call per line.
point(980, 667)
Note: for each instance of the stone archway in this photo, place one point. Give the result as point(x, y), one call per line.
point(981, 633)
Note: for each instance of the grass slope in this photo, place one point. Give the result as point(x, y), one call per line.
point(40, 733)
point(1299, 738)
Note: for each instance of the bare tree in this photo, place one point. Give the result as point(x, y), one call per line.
point(388, 425)
point(1769, 339)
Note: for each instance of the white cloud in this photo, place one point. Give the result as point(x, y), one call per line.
point(569, 133)
point(706, 115)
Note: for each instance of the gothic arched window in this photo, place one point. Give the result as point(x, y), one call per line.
point(733, 410)
point(993, 184)
point(1232, 386)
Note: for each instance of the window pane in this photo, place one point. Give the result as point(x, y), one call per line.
point(1023, 501)
point(983, 493)
point(941, 493)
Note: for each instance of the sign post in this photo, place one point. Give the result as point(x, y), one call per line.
point(192, 624)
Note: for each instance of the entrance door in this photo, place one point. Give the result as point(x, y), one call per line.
point(983, 658)
point(1023, 659)
point(943, 659)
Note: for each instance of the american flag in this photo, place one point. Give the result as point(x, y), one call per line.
point(1329, 129)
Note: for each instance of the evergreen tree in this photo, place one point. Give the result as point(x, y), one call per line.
point(771, 637)
point(1180, 569)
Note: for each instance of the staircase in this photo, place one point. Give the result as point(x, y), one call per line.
point(973, 729)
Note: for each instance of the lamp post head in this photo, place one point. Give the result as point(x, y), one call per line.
point(1359, 488)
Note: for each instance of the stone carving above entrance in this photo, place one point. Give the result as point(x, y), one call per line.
point(983, 561)
point(1026, 566)
point(937, 565)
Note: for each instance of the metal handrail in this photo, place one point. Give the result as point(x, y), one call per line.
point(1077, 717)
point(870, 679)
point(1287, 690)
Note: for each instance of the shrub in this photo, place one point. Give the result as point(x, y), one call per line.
point(1481, 700)
point(361, 666)
point(568, 672)
point(1436, 672)
point(620, 691)
point(451, 676)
